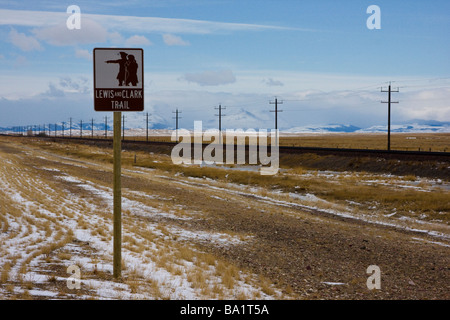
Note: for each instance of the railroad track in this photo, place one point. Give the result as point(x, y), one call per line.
point(376, 153)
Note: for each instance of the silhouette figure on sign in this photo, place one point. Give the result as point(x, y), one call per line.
point(127, 69)
point(131, 71)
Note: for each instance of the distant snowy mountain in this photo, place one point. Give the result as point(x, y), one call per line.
point(240, 119)
point(323, 128)
point(139, 120)
point(246, 120)
point(412, 126)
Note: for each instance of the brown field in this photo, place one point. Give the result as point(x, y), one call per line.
point(221, 232)
point(378, 141)
point(439, 142)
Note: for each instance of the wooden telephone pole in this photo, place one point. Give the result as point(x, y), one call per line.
point(220, 115)
point(176, 122)
point(389, 91)
point(276, 116)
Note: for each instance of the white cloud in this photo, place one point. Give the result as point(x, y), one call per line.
point(115, 37)
point(171, 25)
point(173, 40)
point(137, 41)
point(428, 104)
point(20, 62)
point(82, 53)
point(53, 91)
point(60, 35)
point(75, 85)
point(31, 18)
point(52, 107)
point(129, 23)
point(211, 78)
point(272, 83)
point(24, 42)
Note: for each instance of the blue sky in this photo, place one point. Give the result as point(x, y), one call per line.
point(319, 57)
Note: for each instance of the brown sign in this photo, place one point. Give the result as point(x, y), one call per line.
point(118, 79)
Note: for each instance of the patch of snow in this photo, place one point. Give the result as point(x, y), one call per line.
point(334, 283)
point(68, 179)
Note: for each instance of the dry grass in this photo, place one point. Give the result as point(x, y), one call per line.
point(157, 246)
point(399, 141)
point(152, 239)
point(406, 201)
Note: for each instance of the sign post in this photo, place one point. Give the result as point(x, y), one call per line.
point(118, 87)
point(117, 197)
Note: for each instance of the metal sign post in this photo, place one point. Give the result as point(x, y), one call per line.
point(118, 86)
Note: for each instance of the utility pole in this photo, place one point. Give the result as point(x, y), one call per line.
point(81, 128)
point(106, 127)
point(276, 111)
point(176, 122)
point(70, 129)
point(389, 112)
point(220, 121)
point(147, 126)
point(63, 129)
point(276, 102)
point(92, 128)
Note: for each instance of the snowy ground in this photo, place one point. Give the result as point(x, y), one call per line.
point(52, 219)
point(56, 213)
